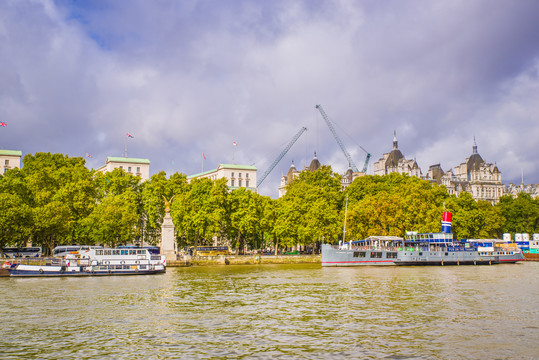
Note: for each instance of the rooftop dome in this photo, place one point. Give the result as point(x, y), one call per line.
point(475, 160)
point(315, 164)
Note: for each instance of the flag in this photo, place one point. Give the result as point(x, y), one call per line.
point(234, 143)
point(3, 124)
point(88, 155)
point(204, 156)
point(129, 135)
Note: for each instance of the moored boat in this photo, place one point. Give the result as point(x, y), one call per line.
point(421, 249)
point(92, 262)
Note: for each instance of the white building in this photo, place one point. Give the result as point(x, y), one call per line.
point(9, 159)
point(394, 161)
point(133, 166)
point(530, 189)
point(237, 175)
point(481, 179)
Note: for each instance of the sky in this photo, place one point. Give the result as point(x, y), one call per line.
point(191, 77)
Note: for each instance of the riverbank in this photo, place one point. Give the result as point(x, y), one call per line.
point(246, 260)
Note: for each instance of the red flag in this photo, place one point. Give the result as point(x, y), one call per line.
point(88, 155)
point(234, 143)
point(3, 124)
point(204, 156)
point(129, 135)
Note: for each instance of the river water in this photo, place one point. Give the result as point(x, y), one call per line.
point(277, 311)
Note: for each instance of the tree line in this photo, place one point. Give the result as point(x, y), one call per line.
point(55, 199)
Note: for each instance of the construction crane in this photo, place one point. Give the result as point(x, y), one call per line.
point(348, 157)
point(281, 155)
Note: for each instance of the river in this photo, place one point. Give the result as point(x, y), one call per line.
point(277, 311)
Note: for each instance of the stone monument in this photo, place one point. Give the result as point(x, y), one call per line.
point(168, 240)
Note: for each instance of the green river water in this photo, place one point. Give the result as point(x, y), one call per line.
point(277, 311)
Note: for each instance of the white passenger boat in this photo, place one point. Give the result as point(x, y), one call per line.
point(92, 262)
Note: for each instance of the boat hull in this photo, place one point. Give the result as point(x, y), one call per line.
point(24, 270)
point(335, 257)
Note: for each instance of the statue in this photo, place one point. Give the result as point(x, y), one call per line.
point(167, 203)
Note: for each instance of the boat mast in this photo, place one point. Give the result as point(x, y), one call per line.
point(345, 211)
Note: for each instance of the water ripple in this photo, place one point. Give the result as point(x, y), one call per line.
point(277, 311)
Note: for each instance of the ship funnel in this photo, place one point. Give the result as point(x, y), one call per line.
point(446, 222)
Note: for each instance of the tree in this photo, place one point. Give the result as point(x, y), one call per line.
point(198, 214)
point(15, 220)
point(521, 214)
point(310, 211)
point(153, 192)
point(113, 220)
point(60, 192)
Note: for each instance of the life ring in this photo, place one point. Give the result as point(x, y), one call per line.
point(41, 271)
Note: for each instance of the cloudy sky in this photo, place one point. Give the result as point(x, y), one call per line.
point(193, 76)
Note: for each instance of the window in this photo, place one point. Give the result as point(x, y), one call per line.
point(239, 175)
point(246, 183)
point(391, 255)
point(121, 167)
point(359, 254)
point(129, 168)
point(232, 175)
point(376, 254)
point(246, 175)
point(138, 169)
point(6, 162)
point(239, 183)
point(232, 182)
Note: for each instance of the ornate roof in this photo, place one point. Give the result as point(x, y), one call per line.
point(315, 164)
point(475, 160)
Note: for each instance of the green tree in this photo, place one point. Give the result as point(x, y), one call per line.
point(521, 214)
point(199, 213)
point(311, 209)
point(113, 220)
point(153, 192)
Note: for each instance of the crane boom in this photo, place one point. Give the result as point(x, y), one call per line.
point(281, 155)
point(330, 126)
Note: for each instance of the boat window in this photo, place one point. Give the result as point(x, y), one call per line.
point(391, 255)
point(420, 253)
point(376, 254)
point(99, 252)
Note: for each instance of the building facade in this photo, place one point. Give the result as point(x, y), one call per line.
point(394, 161)
point(293, 174)
point(481, 179)
point(237, 175)
point(514, 190)
point(9, 159)
point(133, 166)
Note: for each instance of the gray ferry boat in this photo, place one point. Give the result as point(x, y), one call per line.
point(421, 249)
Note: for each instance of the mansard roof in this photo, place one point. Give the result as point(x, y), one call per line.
point(393, 159)
point(315, 164)
point(475, 160)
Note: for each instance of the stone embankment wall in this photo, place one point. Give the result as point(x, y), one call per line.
point(246, 260)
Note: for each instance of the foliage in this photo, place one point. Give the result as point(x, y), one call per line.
point(54, 199)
